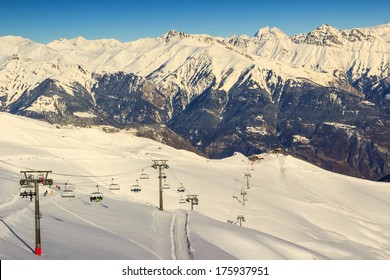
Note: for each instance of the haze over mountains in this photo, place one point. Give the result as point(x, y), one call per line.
point(322, 96)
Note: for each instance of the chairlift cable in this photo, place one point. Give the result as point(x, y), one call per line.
point(99, 176)
point(9, 172)
point(15, 181)
point(177, 179)
point(16, 165)
point(74, 175)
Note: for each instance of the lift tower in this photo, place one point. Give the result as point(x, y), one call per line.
point(160, 164)
point(40, 179)
point(244, 194)
point(247, 175)
point(193, 198)
point(240, 219)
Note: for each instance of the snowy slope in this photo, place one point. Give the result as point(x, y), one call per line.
point(294, 210)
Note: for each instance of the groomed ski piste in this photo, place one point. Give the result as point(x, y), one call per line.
point(293, 210)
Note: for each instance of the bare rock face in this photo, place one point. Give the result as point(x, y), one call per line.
point(332, 128)
point(128, 99)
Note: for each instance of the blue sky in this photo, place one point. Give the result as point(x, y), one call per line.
point(45, 21)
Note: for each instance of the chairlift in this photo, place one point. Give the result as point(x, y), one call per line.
point(182, 200)
point(135, 188)
point(96, 196)
point(26, 190)
point(144, 175)
point(163, 175)
point(181, 188)
point(113, 187)
point(165, 186)
point(67, 193)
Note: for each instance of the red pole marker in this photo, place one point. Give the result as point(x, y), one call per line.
point(38, 251)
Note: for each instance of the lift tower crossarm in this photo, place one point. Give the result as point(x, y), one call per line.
point(193, 198)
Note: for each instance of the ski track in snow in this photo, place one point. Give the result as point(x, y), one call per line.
point(179, 240)
point(10, 202)
point(103, 228)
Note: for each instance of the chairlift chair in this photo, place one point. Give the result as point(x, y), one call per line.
point(25, 190)
point(163, 175)
point(182, 200)
point(113, 187)
point(135, 188)
point(67, 193)
point(165, 186)
point(181, 188)
point(96, 196)
point(144, 175)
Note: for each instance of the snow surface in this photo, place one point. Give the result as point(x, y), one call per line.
point(294, 209)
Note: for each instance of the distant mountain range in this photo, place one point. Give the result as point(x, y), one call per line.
point(322, 96)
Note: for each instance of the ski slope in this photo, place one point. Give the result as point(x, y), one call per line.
point(294, 210)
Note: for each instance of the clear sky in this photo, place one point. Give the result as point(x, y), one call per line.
point(44, 21)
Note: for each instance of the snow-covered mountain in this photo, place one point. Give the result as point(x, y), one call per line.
point(246, 94)
point(293, 210)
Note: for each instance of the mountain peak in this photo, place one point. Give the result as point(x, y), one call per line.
point(270, 33)
point(15, 41)
point(174, 33)
point(83, 43)
point(326, 28)
point(324, 35)
point(74, 41)
point(78, 40)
